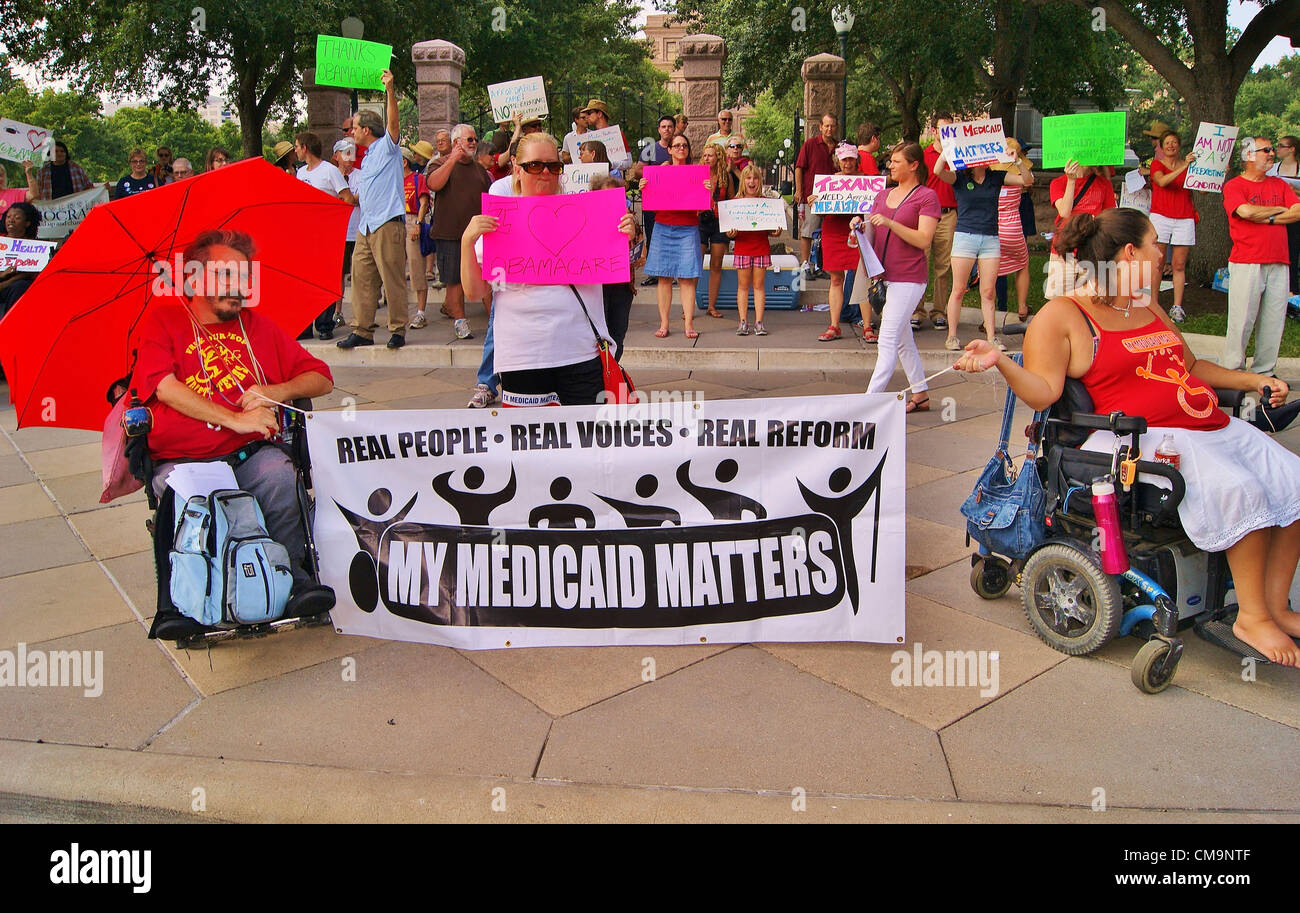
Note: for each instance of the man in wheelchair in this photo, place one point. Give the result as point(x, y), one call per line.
point(213, 372)
point(1242, 488)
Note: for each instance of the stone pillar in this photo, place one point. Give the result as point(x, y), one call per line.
point(702, 58)
point(823, 74)
point(439, 68)
point(327, 108)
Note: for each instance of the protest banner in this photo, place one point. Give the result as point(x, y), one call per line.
point(577, 178)
point(24, 255)
point(976, 142)
point(751, 214)
point(666, 522)
point(519, 96)
point(1089, 139)
point(846, 194)
point(21, 142)
point(557, 239)
point(351, 62)
point(612, 137)
point(675, 187)
point(59, 217)
point(1213, 148)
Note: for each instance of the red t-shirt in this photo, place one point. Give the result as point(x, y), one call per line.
point(1173, 201)
point(1099, 196)
point(866, 162)
point(1142, 372)
point(815, 159)
point(169, 345)
point(1257, 242)
point(942, 189)
point(752, 244)
point(413, 187)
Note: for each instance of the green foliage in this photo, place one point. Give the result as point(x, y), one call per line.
point(1268, 103)
point(767, 126)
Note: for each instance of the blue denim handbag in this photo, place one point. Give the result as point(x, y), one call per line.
point(1005, 512)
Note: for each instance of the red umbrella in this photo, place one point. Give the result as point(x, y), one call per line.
point(73, 332)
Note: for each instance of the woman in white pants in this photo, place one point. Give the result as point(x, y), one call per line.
point(903, 219)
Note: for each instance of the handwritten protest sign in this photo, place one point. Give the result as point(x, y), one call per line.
point(751, 214)
point(21, 142)
point(846, 194)
point(866, 247)
point(59, 217)
point(557, 239)
point(1135, 199)
point(1089, 139)
point(24, 255)
point(675, 187)
point(577, 178)
point(1214, 145)
point(351, 62)
point(519, 96)
point(976, 142)
point(612, 137)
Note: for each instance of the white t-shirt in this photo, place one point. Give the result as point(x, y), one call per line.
point(1293, 181)
point(325, 176)
point(354, 184)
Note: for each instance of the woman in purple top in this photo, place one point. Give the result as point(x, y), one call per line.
point(904, 219)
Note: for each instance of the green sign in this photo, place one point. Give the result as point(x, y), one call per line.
point(350, 62)
point(1089, 139)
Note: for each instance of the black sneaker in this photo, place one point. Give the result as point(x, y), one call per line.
point(310, 599)
point(353, 340)
point(396, 341)
point(324, 334)
point(649, 281)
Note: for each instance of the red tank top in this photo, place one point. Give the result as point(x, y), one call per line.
point(1141, 372)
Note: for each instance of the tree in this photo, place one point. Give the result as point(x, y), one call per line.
point(1269, 101)
point(1208, 78)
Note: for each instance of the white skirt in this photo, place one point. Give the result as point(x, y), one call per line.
point(1238, 480)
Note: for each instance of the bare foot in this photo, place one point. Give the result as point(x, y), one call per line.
point(1269, 639)
point(1288, 621)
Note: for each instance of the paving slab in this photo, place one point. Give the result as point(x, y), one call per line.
point(1080, 726)
point(562, 680)
point(920, 474)
point(940, 501)
point(29, 440)
point(412, 708)
point(25, 502)
point(38, 544)
point(141, 693)
point(116, 530)
point(884, 676)
point(950, 586)
point(136, 575)
point(66, 461)
point(58, 602)
point(381, 391)
point(80, 492)
point(744, 719)
point(770, 383)
point(933, 545)
point(13, 471)
point(949, 449)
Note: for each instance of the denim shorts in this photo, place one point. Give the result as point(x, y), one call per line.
point(976, 247)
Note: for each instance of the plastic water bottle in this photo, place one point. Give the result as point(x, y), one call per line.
point(1168, 453)
point(1105, 507)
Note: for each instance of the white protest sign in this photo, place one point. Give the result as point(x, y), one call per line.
point(519, 96)
point(866, 245)
point(577, 178)
point(24, 255)
point(1135, 199)
point(59, 217)
point(1134, 181)
point(612, 137)
point(21, 142)
point(532, 527)
point(975, 142)
point(1213, 148)
point(751, 214)
point(846, 194)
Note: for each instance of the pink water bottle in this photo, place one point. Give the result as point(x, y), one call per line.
point(1105, 507)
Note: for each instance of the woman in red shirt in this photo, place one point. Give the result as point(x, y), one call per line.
point(675, 251)
point(1173, 213)
point(837, 256)
point(1243, 487)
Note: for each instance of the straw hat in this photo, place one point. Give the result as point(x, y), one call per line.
point(596, 105)
point(282, 148)
point(1157, 128)
point(424, 149)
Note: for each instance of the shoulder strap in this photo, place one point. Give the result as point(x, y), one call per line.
point(1008, 413)
point(600, 340)
point(890, 234)
point(1086, 184)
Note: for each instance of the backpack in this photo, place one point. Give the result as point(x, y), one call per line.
point(225, 569)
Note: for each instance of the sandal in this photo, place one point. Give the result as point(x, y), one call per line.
point(1022, 316)
point(831, 334)
point(661, 333)
point(692, 334)
point(714, 312)
point(917, 405)
point(869, 334)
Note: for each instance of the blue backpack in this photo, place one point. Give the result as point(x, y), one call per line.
point(225, 569)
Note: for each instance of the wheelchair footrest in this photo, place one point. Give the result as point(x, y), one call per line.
point(1220, 634)
point(207, 638)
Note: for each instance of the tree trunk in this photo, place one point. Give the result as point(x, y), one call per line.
point(1213, 103)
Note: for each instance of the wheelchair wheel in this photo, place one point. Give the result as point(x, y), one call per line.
point(1149, 673)
point(1072, 604)
point(990, 577)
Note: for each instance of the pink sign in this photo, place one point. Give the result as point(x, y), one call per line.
point(557, 239)
point(675, 187)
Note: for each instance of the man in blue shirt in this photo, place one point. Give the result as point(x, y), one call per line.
point(380, 252)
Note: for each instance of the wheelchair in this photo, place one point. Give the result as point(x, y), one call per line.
point(168, 622)
point(1071, 603)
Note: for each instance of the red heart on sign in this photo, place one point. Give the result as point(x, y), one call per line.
point(36, 138)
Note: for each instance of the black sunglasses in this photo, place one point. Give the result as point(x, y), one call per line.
point(538, 167)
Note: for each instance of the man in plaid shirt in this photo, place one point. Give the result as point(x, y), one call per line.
point(59, 178)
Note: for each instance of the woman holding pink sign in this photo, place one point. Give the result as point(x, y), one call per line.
point(675, 251)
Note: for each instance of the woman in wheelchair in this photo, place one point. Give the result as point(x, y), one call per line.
point(1243, 488)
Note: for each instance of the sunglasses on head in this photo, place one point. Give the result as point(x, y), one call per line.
point(536, 167)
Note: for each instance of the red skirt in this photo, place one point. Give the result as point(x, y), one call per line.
point(836, 253)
